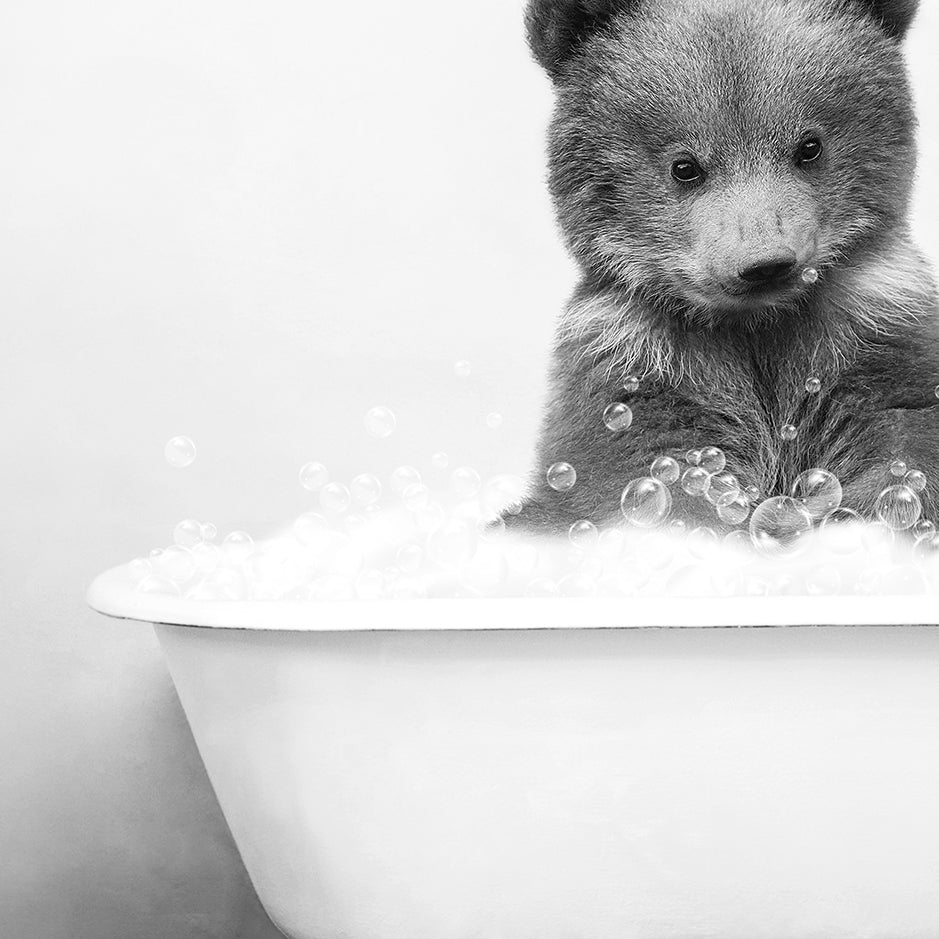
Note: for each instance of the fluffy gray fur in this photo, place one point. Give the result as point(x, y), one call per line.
point(738, 85)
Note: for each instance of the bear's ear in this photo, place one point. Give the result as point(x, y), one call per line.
point(895, 16)
point(556, 27)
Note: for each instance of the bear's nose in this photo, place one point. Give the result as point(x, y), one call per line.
point(770, 269)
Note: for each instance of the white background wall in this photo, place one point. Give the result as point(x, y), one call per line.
point(246, 222)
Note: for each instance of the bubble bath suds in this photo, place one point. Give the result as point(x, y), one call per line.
point(399, 538)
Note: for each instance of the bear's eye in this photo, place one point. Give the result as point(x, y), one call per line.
point(687, 170)
point(809, 151)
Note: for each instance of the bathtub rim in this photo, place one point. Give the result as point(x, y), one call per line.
point(113, 594)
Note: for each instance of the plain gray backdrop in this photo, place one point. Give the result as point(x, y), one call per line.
point(246, 222)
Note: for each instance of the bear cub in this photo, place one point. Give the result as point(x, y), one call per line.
point(709, 158)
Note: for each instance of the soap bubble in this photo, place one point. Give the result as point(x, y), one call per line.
point(403, 477)
point(713, 460)
point(788, 432)
point(187, 533)
point(693, 457)
point(810, 275)
point(410, 557)
point(753, 494)
point(494, 420)
point(354, 522)
point(722, 487)
point(501, 492)
point(335, 498)
point(313, 476)
point(813, 386)
point(380, 422)
point(311, 529)
point(645, 502)
point(840, 531)
point(701, 542)
point(542, 587)
point(366, 489)
point(824, 581)
point(915, 480)
point(440, 460)
point(631, 384)
point(899, 508)
point(561, 476)
point(898, 468)
point(209, 531)
point(936, 391)
point(734, 510)
point(818, 492)
point(778, 526)
point(583, 533)
point(179, 451)
point(159, 585)
point(463, 369)
point(237, 546)
point(739, 539)
point(678, 526)
point(453, 543)
point(923, 529)
point(878, 538)
point(665, 470)
point(926, 550)
point(696, 481)
point(176, 563)
point(618, 417)
point(416, 497)
point(465, 481)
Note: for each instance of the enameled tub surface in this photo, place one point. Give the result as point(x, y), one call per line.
point(508, 769)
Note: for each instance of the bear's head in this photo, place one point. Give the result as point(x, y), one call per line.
point(704, 153)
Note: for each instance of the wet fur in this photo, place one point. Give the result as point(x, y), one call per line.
point(629, 77)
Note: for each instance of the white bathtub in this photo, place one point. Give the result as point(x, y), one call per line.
point(549, 769)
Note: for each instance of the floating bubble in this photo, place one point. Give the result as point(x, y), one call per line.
point(678, 526)
point(696, 481)
point(645, 502)
point(899, 508)
point(583, 534)
point(463, 369)
point(936, 391)
point(898, 468)
point(722, 487)
point(494, 420)
point(237, 546)
point(366, 489)
point(440, 460)
point(335, 498)
point(693, 457)
point(416, 497)
point(465, 481)
point(753, 493)
point(631, 384)
point(187, 533)
point(739, 539)
point(665, 470)
point(403, 477)
point(788, 432)
point(453, 543)
point(810, 275)
point(923, 529)
point(313, 476)
point(926, 550)
point(877, 538)
point(380, 422)
point(778, 526)
point(840, 531)
point(818, 492)
point(915, 480)
point(618, 417)
point(209, 531)
point(713, 460)
point(734, 510)
point(179, 451)
point(561, 477)
point(611, 541)
point(813, 386)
